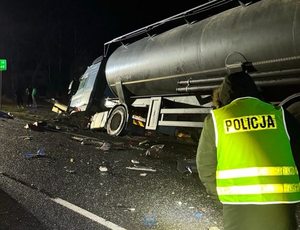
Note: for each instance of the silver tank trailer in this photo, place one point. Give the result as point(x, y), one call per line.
point(266, 33)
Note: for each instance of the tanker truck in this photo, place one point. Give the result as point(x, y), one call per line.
point(164, 80)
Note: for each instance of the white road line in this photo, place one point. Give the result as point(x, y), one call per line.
point(88, 214)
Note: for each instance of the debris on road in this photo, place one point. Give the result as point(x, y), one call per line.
point(101, 145)
point(154, 150)
point(105, 146)
point(80, 139)
point(40, 126)
point(187, 166)
point(135, 162)
point(40, 123)
point(26, 137)
point(179, 203)
point(144, 142)
point(150, 220)
point(103, 169)
point(6, 115)
point(71, 171)
point(131, 209)
point(40, 153)
point(198, 215)
point(143, 174)
point(34, 127)
point(141, 169)
point(120, 146)
point(135, 147)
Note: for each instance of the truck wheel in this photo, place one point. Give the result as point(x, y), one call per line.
point(116, 122)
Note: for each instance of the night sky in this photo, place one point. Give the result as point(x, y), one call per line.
point(48, 42)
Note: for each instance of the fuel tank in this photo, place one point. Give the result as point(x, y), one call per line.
point(265, 34)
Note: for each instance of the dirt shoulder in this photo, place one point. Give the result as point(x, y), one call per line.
point(42, 112)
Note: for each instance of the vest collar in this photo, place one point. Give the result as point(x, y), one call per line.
point(241, 98)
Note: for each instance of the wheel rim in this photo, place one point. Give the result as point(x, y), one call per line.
point(116, 122)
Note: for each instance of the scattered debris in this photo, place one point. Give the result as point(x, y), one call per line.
point(58, 107)
point(187, 166)
point(105, 147)
point(97, 142)
point(142, 169)
point(89, 141)
point(150, 220)
point(143, 174)
point(6, 115)
point(26, 137)
point(40, 123)
point(135, 162)
point(183, 135)
point(72, 171)
point(85, 143)
point(40, 153)
point(103, 168)
point(40, 126)
point(144, 142)
point(119, 205)
point(77, 138)
point(198, 215)
point(135, 147)
point(120, 146)
point(34, 127)
point(189, 169)
point(179, 203)
point(102, 145)
point(154, 150)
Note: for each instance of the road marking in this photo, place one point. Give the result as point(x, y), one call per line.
point(88, 214)
point(68, 205)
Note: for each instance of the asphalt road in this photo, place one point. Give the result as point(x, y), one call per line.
point(58, 180)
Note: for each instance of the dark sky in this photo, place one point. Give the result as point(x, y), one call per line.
point(47, 42)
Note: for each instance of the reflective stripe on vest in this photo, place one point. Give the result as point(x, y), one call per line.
point(259, 189)
point(255, 161)
point(257, 171)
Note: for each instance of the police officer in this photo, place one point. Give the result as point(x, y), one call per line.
point(248, 158)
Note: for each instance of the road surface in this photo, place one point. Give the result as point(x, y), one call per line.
point(62, 180)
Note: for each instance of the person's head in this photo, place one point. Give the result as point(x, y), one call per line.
point(237, 85)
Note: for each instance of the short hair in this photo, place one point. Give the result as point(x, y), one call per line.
point(238, 85)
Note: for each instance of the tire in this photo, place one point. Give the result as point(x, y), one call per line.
point(117, 121)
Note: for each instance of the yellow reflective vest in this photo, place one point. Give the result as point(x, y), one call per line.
point(255, 160)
